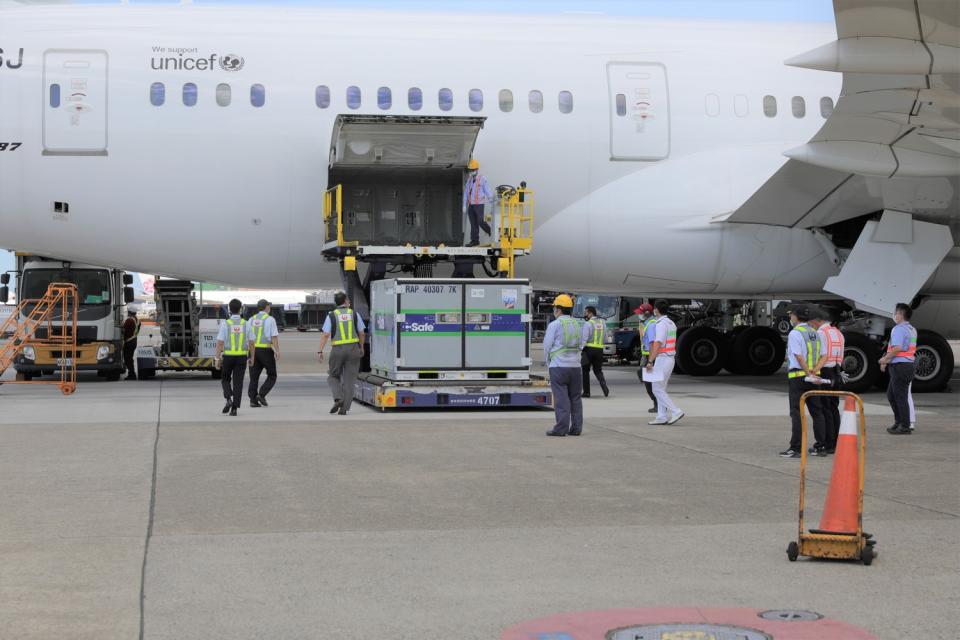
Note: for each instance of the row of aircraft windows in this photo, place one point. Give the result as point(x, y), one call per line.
point(445, 100)
point(415, 100)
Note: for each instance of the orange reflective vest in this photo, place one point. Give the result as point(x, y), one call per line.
point(832, 345)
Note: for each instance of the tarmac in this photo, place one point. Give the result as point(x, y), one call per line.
point(136, 510)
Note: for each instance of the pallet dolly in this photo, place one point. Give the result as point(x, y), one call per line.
point(824, 544)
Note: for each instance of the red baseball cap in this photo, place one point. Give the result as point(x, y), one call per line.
point(644, 308)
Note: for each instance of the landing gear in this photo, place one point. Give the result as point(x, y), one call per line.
point(860, 357)
point(701, 351)
point(934, 362)
point(758, 351)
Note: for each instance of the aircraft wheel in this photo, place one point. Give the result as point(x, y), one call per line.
point(934, 362)
point(860, 355)
point(701, 351)
point(759, 351)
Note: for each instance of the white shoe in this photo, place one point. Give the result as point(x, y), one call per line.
point(657, 421)
point(676, 418)
point(912, 425)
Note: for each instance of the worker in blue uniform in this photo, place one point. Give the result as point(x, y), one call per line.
point(345, 330)
point(648, 332)
point(803, 352)
point(596, 330)
point(899, 360)
point(265, 352)
point(476, 193)
point(562, 344)
point(233, 356)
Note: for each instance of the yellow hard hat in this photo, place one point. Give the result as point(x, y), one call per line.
point(473, 164)
point(563, 300)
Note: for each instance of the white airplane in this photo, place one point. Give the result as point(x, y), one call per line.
point(195, 142)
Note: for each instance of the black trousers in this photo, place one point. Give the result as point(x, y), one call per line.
point(798, 386)
point(898, 391)
point(263, 358)
point(830, 405)
point(592, 358)
point(232, 378)
point(129, 350)
point(475, 215)
point(648, 386)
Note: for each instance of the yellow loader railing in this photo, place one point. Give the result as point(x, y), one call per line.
point(516, 226)
point(333, 208)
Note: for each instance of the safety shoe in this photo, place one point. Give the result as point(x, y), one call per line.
point(233, 412)
point(472, 244)
point(342, 412)
point(830, 450)
point(675, 419)
point(262, 401)
point(574, 433)
point(335, 407)
point(558, 434)
point(584, 395)
point(227, 407)
point(817, 451)
point(657, 421)
point(790, 453)
point(899, 430)
point(652, 410)
point(130, 378)
point(606, 391)
point(254, 403)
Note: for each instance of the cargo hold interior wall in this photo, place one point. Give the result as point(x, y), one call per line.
point(402, 177)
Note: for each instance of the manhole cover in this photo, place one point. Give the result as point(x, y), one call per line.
point(790, 615)
point(686, 632)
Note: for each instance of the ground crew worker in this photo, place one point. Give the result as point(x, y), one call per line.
point(645, 311)
point(476, 193)
point(562, 344)
point(233, 356)
point(265, 351)
point(831, 359)
point(596, 330)
point(803, 349)
point(899, 360)
point(131, 329)
point(345, 330)
point(663, 350)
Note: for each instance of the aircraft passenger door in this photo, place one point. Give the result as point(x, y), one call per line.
point(74, 102)
point(639, 111)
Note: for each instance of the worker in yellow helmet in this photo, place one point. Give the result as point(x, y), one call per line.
point(476, 193)
point(562, 344)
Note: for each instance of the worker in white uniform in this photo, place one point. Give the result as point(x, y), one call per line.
point(663, 351)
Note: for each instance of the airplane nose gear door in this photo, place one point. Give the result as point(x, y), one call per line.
point(75, 102)
point(639, 111)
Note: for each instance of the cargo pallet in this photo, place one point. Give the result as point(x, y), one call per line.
point(384, 394)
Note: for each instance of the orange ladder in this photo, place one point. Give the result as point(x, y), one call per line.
point(57, 309)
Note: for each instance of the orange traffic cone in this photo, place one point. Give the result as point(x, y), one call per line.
point(840, 511)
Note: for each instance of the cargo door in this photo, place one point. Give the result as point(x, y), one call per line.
point(639, 111)
point(429, 325)
point(75, 102)
point(497, 325)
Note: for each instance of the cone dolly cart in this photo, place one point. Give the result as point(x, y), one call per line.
point(840, 535)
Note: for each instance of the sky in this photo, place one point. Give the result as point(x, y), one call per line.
point(761, 10)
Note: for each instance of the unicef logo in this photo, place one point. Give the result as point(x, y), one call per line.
point(231, 62)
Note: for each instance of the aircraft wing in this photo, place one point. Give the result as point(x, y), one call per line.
point(892, 141)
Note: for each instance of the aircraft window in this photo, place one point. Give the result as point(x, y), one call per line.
point(322, 96)
point(799, 106)
point(741, 106)
point(258, 95)
point(475, 99)
point(384, 98)
point(566, 101)
point(415, 98)
point(712, 105)
point(826, 106)
point(621, 104)
point(224, 94)
point(353, 97)
point(446, 99)
point(158, 93)
point(770, 106)
point(190, 94)
point(55, 95)
point(536, 101)
point(506, 100)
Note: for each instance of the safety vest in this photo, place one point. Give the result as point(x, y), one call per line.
point(911, 353)
point(644, 327)
point(570, 336)
point(136, 330)
point(258, 321)
point(475, 194)
point(599, 329)
point(343, 330)
point(834, 345)
point(809, 337)
point(237, 335)
point(669, 347)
